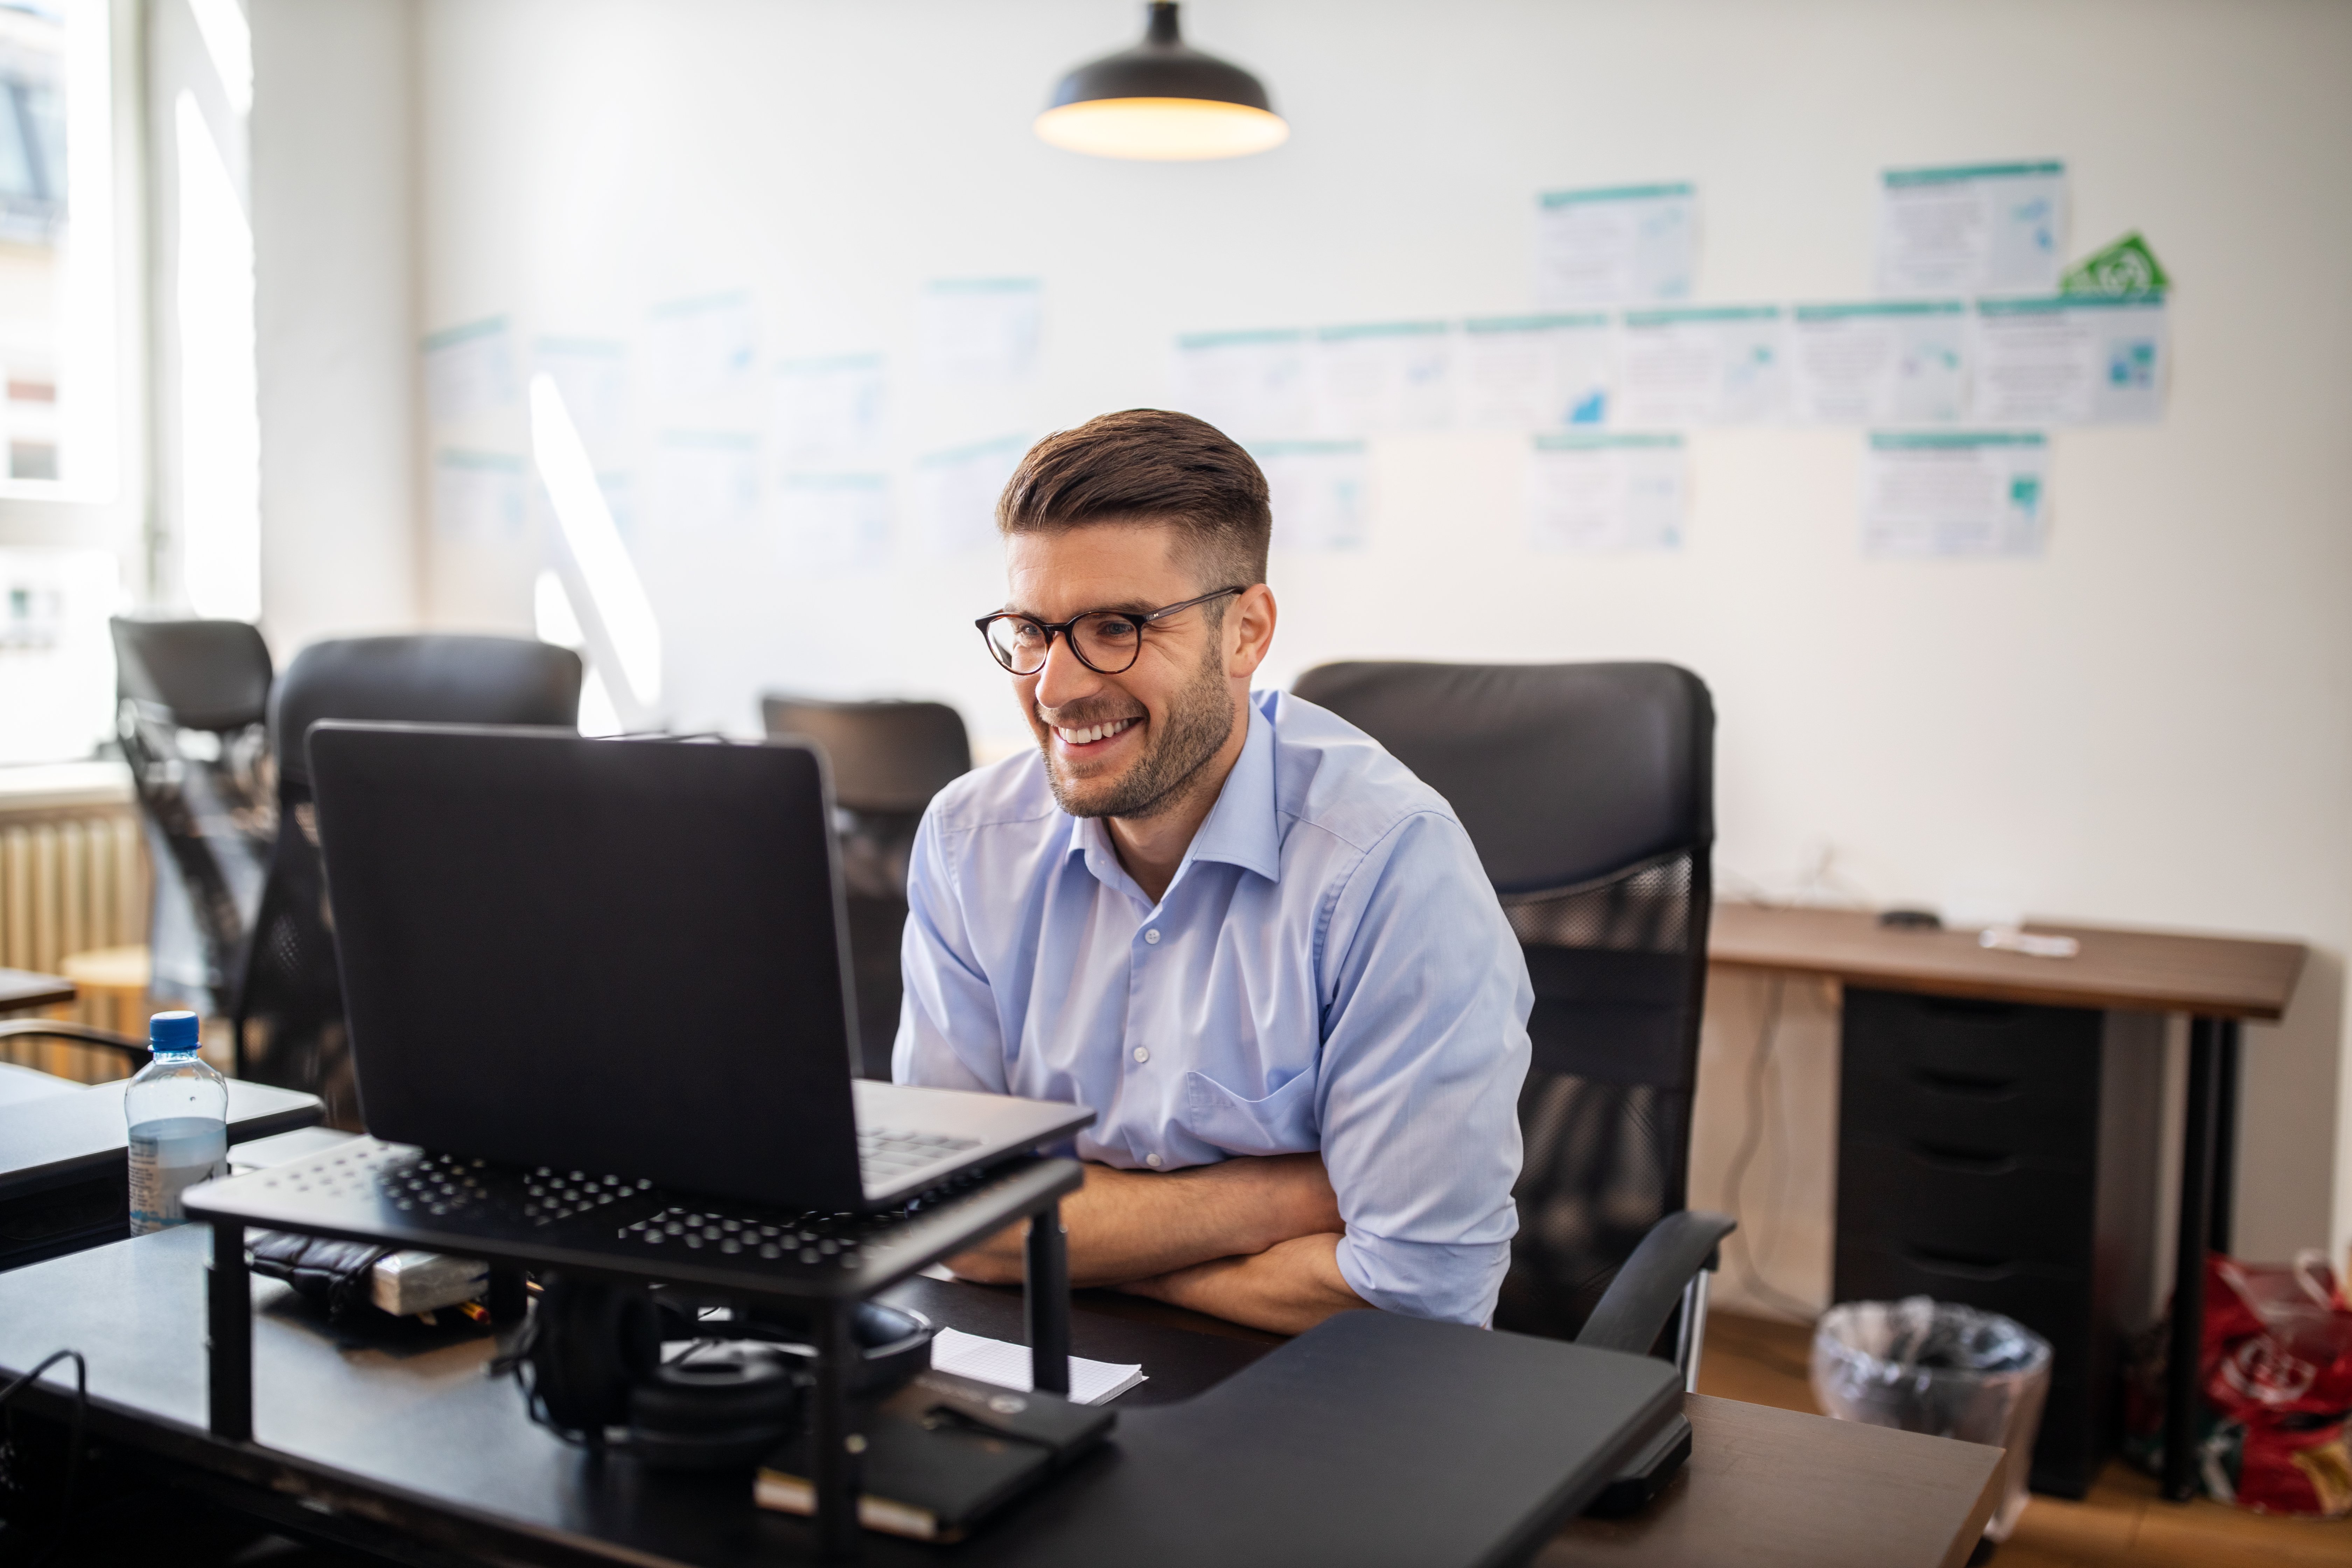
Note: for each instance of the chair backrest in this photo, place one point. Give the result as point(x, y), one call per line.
point(191, 701)
point(888, 759)
point(887, 756)
point(210, 675)
point(290, 1018)
point(426, 679)
point(1587, 791)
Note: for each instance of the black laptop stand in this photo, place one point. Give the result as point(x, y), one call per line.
point(591, 1224)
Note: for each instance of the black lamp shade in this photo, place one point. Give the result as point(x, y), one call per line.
point(1161, 99)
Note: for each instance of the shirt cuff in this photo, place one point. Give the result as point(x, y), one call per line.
point(1451, 1283)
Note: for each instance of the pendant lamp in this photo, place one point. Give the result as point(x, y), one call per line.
point(1161, 99)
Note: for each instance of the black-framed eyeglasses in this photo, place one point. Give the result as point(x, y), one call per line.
point(1108, 642)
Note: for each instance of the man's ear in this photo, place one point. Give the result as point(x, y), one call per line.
point(1249, 633)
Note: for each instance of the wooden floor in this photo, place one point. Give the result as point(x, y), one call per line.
point(2122, 1522)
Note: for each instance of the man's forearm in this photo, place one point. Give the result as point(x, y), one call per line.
point(1136, 1225)
point(1286, 1288)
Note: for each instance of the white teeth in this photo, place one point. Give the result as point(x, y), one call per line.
point(1095, 733)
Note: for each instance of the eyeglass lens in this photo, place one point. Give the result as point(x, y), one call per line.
point(1103, 639)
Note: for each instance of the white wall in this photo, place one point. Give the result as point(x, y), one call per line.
point(330, 143)
point(2148, 725)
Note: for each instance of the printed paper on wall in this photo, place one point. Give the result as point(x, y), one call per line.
point(1621, 245)
point(1597, 491)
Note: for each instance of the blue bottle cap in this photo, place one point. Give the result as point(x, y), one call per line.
point(172, 1032)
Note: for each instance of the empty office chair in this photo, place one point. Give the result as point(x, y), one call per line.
point(190, 710)
point(889, 759)
point(1588, 792)
point(290, 1013)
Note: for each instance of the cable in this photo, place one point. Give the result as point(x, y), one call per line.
point(73, 1439)
point(1752, 1140)
point(1820, 878)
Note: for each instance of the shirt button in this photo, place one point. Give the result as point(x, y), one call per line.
point(1151, 937)
point(1143, 1053)
point(1153, 1161)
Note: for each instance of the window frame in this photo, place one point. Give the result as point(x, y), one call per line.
point(46, 514)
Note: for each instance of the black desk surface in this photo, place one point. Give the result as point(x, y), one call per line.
point(64, 1137)
point(1297, 1457)
point(1179, 1359)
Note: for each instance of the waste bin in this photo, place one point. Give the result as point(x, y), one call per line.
point(1924, 1365)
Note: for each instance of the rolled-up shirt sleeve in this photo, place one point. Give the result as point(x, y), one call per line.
point(948, 1034)
point(1425, 1001)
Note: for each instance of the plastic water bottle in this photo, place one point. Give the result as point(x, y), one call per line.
point(178, 1111)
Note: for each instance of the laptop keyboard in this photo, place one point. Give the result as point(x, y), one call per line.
point(884, 1155)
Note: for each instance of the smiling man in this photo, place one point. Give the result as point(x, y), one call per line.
point(1229, 922)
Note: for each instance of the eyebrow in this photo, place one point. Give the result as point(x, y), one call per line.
point(1135, 608)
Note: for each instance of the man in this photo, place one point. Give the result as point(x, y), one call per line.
point(1244, 935)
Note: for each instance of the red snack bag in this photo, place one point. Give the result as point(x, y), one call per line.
point(2277, 1360)
point(2274, 1366)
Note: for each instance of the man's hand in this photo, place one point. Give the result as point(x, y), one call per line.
point(1141, 1225)
point(1288, 1289)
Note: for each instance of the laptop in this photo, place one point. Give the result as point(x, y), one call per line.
point(624, 956)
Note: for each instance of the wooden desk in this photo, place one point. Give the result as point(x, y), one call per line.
point(390, 1422)
point(2156, 972)
point(1765, 1487)
point(2219, 981)
point(22, 990)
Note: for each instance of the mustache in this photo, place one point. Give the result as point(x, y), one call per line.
point(1082, 715)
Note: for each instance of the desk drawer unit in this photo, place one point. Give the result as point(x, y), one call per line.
point(1964, 1206)
point(2003, 1156)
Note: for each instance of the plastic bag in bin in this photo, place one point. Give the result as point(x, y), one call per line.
point(1949, 1371)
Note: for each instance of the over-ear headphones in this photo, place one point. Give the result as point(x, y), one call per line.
point(893, 1343)
point(590, 1360)
point(716, 1405)
point(586, 1345)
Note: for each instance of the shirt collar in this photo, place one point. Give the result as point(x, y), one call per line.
point(1241, 830)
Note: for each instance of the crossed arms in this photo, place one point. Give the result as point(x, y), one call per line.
point(1251, 1240)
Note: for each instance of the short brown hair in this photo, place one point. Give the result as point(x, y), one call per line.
point(1146, 464)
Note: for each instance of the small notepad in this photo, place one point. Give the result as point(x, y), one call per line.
point(1007, 1365)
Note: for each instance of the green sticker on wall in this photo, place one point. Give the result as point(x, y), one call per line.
point(2126, 267)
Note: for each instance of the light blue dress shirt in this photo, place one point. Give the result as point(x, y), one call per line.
point(1327, 971)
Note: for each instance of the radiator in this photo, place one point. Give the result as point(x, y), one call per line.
point(71, 878)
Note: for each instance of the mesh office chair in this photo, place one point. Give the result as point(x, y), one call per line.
point(1588, 792)
point(889, 759)
point(190, 710)
point(191, 699)
point(289, 1014)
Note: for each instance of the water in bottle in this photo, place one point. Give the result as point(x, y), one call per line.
point(178, 1111)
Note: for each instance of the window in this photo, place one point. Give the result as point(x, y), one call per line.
point(71, 488)
point(57, 660)
point(219, 424)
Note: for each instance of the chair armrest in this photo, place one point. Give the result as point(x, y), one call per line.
point(1649, 1286)
point(80, 1034)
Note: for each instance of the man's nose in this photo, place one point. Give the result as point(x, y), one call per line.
point(1064, 680)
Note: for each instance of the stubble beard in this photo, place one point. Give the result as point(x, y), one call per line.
point(1199, 720)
